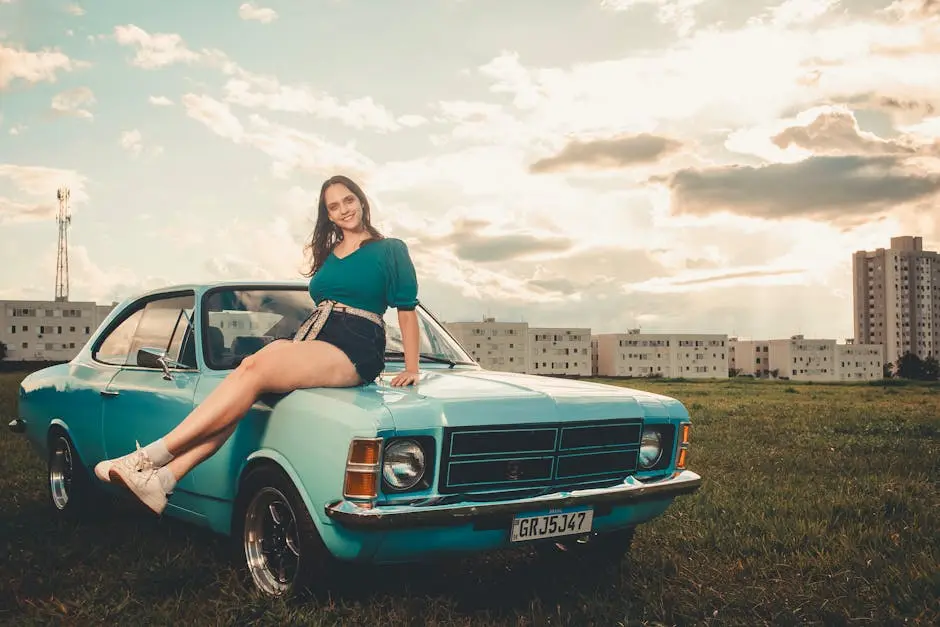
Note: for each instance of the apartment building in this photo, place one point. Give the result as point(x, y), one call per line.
point(749, 357)
point(36, 330)
point(897, 298)
point(802, 359)
point(493, 344)
point(860, 362)
point(635, 354)
point(554, 351)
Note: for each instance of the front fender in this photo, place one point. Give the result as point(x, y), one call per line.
point(307, 434)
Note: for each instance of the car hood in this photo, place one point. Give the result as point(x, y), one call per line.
point(455, 398)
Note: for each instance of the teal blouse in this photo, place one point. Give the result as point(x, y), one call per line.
point(374, 277)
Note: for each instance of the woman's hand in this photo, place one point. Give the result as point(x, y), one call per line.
point(406, 377)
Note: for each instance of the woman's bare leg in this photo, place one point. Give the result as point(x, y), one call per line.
point(278, 367)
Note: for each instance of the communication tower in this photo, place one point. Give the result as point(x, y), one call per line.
point(64, 219)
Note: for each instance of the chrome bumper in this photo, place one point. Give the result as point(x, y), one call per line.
point(17, 426)
point(409, 516)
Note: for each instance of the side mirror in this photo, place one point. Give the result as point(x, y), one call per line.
point(154, 358)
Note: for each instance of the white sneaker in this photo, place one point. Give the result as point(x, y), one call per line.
point(144, 484)
point(136, 461)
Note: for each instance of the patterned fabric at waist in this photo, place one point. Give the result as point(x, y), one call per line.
point(314, 323)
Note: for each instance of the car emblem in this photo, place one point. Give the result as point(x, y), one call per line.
point(513, 471)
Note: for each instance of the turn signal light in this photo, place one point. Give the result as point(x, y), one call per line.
point(683, 453)
point(685, 431)
point(362, 468)
point(360, 485)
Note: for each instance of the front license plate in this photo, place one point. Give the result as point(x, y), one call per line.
point(567, 522)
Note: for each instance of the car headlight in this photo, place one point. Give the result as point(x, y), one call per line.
point(403, 464)
point(651, 448)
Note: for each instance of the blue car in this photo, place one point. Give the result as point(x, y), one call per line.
point(468, 460)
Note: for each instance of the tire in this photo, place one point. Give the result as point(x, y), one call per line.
point(70, 489)
point(280, 549)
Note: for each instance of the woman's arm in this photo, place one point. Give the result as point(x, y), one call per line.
point(408, 321)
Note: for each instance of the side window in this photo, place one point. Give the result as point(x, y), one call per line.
point(157, 325)
point(183, 341)
point(117, 345)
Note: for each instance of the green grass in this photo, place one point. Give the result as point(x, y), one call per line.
point(820, 506)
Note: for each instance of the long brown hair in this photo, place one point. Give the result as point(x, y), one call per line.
point(327, 235)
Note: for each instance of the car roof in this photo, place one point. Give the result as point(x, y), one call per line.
point(228, 283)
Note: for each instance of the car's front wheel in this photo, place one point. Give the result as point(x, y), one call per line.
point(282, 550)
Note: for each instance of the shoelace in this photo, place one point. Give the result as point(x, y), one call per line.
point(138, 461)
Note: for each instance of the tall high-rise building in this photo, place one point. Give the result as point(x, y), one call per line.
point(897, 298)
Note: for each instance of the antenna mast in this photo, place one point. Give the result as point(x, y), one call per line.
point(64, 219)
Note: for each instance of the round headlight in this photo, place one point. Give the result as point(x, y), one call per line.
point(403, 464)
point(651, 448)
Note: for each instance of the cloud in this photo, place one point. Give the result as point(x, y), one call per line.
point(698, 281)
point(837, 132)
point(800, 12)
point(217, 116)
point(614, 153)
point(290, 149)
point(248, 11)
point(160, 101)
point(156, 50)
point(678, 13)
point(33, 67)
point(12, 211)
point(71, 101)
point(470, 241)
point(823, 130)
point(251, 90)
point(43, 182)
point(131, 142)
point(840, 189)
point(257, 91)
point(74, 9)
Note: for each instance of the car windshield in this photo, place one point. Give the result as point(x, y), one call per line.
point(237, 322)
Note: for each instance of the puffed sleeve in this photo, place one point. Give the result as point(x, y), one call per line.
point(402, 287)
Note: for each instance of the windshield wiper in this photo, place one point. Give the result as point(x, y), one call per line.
point(428, 357)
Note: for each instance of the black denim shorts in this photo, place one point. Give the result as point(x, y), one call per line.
point(362, 340)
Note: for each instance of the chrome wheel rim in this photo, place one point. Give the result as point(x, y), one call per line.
point(272, 547)
point(60, 472)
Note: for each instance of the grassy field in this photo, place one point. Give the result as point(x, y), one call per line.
point(820, 505)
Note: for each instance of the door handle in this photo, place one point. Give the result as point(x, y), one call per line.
point(109, 392)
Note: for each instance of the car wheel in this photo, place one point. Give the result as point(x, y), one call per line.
point(69, 485)
point(281, 548)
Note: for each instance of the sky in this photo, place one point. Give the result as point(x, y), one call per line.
point(678, 166)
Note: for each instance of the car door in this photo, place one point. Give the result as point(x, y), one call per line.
point(142, 401)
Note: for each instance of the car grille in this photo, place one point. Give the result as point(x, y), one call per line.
point(539, 455)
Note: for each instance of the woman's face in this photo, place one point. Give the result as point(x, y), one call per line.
point(343, 207)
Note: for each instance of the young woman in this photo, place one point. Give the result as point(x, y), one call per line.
point(356, 274)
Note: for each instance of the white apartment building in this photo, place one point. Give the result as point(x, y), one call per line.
point(560, 351)
point(36, 330)
point(860, 362)
point(749, 357)
point(897, 298)
point(671, 355)
point(802, 359)
point(494, 345)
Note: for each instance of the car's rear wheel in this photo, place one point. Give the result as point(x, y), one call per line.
point(68, 484)
point(282, 551)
